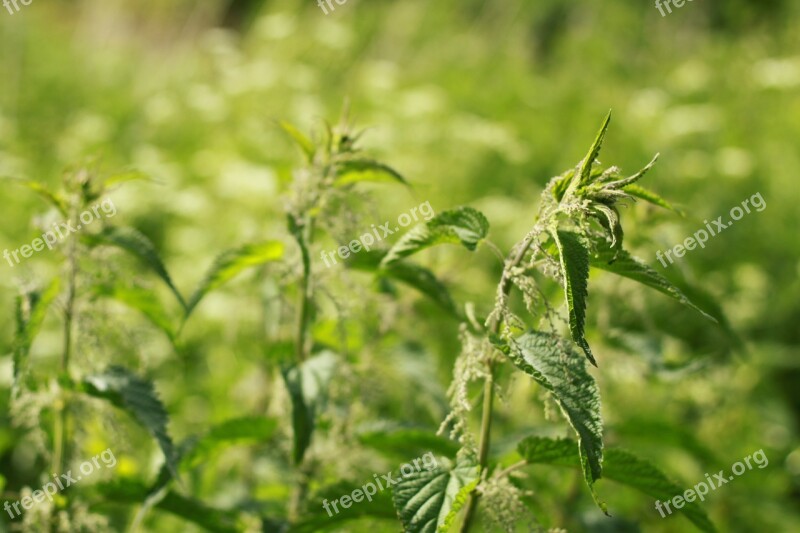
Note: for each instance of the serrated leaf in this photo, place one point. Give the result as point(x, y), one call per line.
point(359, 170)
point(574, 258)
point(303, 142)
point(138, 397)
point(619, 466)
point(463, 225)
point(31, 309)
point(141, 300)
point(649, 196)
point(594, 151)
point(231, 263)
point(134, 242)
point(428, 501)
point(623, 264)
point(307, 384)
point(555, 365)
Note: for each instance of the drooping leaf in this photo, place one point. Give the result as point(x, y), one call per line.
point(231, 263)
point(463, 225)
point(649, 196)
point(619, 466)
point(53, 198)
point(608, 216)
point(358, 170)
point(319, 518)
point(303, 142)
point(307, 384)
point(594, 151)
point(574, 259)
point(134, 242)
point(141, 300)
point(428, 501)
point(554, 364)
point(124, 177)
point(245, 430)
point(131, 491)
point(623, 264)
point(138, 397)
point(31, 309)
point(404, 442)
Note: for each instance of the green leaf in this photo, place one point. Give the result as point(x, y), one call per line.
point(307, 384)
point(358, 170)
point(555, 365)
point(31, 309)
point(141, 300)
point(54, 199)
point(428, 501)
point(463, 225)
point(594, 151)
point(132, 491)
point(124, 177)
point(575, 268)
point(245, 430)
point(649, 196)
point(137, 396)
point(303, 142)
point(407, 442)
point(317, 518)
point(231, 263)
point(608, 216)
point(623, 264)
point(626, 182)
point(134, 242)
point(619, 466)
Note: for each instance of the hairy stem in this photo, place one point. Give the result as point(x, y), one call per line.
point(488, 387)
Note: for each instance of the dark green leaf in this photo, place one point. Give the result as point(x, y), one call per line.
point(307, 384)
point(463, 225)
point(134, 242)
point(623, 264)
point(137, 396)
point(619, 466)
point(575, 268)
point(230, 264)
point(555, 365)
point(429, 500)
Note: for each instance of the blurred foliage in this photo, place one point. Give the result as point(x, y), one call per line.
point(474, 102)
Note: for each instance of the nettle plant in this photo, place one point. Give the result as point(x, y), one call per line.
point(577, 227)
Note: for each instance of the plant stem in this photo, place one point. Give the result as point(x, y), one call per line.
point(488, 386)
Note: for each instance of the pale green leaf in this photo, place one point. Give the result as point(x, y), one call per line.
point(574, 259)
point(303, 142)
point(651, 197)
point(141, 300)
point(230, 264)
point(463, 225)
point(358, 170)
point(134, 242)
point(594, 151)
point(31, 309)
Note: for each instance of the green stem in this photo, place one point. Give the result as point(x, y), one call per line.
point(488, 385)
